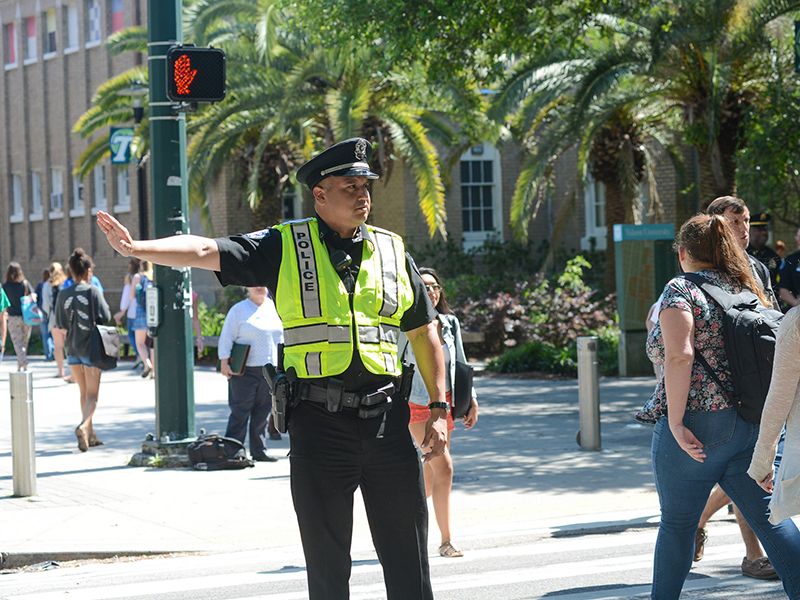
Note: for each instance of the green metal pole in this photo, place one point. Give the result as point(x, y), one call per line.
point(173, 351)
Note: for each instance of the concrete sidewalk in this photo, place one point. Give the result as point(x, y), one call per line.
point(519, 469)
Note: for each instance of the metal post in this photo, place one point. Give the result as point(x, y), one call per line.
point(588, 394)
point(23, 451)
point(174, 359)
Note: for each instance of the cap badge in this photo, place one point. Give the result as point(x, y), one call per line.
point(361, 150)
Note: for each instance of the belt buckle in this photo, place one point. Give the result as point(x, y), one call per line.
point(334, 392)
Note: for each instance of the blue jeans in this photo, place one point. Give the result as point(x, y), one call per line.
point(683, 486)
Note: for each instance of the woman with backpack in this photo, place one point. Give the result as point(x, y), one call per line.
point(17, 287)
point(699, 438)
point(78, 309)
point(138, 291)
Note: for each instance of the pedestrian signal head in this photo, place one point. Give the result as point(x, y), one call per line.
point(195, 74)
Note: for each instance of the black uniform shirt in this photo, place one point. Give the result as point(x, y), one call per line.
point(789, 274)
point(254, 259)
point(770, 258)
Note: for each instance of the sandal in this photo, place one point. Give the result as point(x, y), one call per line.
point(700, 538)
point(449, 551)
point(83, 443)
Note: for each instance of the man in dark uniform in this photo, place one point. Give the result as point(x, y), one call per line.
point(343, 290)
point(758, 249)
point(789, 276)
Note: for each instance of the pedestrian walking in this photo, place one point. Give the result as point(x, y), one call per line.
point(782, 408)
point(439, 470)
point(4, 304)
point(344, 290)
point(42, 289)
point(78, 309)
point(16, 288)
point(138, 291)
point(701, 440)
point(55, 283)
point(253, 323)
point(128, 309)
point(755, 563)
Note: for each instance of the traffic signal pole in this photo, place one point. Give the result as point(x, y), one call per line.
point(173, 350)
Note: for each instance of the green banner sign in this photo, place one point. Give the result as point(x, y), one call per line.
point(119, 143)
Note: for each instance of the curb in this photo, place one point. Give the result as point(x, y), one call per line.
point(10, 561)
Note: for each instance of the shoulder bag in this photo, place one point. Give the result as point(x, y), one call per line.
point(103, 342)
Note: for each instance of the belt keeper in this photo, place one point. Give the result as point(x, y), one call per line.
point(334, 391)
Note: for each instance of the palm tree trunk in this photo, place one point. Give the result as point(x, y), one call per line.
point(615, 213)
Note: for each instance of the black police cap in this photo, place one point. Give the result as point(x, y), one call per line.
point(759, 219)
point(349, 158)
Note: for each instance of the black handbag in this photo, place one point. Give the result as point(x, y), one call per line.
point(462, 390)
point(103, 343)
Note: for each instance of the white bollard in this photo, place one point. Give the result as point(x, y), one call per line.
point(23, 449)
point(588, 394)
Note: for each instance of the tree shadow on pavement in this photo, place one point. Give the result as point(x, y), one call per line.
point(525, 439)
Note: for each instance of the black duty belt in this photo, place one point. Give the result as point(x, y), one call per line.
point(333, 396)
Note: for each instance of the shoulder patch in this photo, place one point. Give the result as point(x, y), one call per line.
point(257, 235)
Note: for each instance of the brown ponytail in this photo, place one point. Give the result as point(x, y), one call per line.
point(709, 239)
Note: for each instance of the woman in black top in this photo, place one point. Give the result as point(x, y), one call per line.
point(15, 288)
point(78, 309)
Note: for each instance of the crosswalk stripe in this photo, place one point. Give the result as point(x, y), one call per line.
point(484, 579)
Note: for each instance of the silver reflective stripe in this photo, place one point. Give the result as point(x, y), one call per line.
point(368, 335)
point(386, 248)
point(384, 333)
point(312, 334)
point(389, 333)
point(360, 165)
point(314, 363)
point(307, 264)
point(390, 361)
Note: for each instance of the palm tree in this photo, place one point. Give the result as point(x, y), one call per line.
point(288, 99)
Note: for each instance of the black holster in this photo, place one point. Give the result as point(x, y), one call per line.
point(282, 387)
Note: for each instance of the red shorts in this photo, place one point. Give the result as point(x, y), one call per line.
point(420, 414)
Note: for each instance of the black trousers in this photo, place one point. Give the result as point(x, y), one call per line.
point(331, 455)
point(250, 401)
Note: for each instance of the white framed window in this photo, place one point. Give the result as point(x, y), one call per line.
point(56, 193)
point(93, 22)
point(72, 27)
point(117, 15)
point(77, 209)
point(17, 210)
point(10, 45)
point(100, 193)
point(123, 190)
point(49, 44)
point(594, 205)
point(481, 192)
point(29, 47)
point(36, 196)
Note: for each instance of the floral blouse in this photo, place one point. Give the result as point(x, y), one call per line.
point(704, 393)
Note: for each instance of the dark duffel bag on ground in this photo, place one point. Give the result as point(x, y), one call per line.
point(214, 452)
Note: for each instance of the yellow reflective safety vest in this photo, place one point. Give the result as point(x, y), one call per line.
point(322, 323)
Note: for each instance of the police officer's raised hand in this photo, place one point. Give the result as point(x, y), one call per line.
point(435, 440)
point(116, 233)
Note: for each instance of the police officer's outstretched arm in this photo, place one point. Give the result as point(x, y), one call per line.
point(430, 362)
point(175, 251)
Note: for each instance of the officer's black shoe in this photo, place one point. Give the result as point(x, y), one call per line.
point(264, 457)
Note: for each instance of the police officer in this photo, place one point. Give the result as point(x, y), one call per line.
point(344, 291)
point(789, 276)
point(758, 249)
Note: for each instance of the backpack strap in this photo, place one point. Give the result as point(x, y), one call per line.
point(698, 356)
point(727, 301)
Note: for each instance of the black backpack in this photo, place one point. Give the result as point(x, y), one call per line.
point(749, 330)
point(212, 452)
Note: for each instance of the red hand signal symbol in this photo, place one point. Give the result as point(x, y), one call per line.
point(184, 74)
